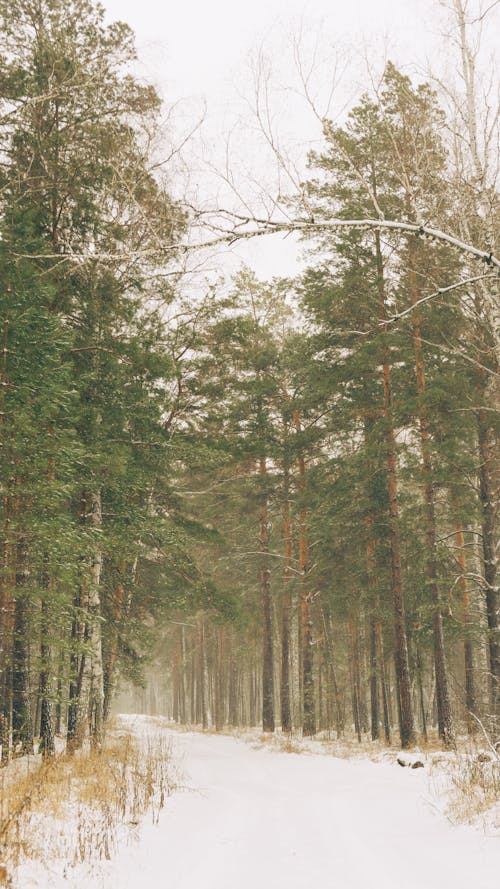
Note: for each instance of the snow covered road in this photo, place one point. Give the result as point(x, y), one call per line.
point(251, 817)
point(257, 817)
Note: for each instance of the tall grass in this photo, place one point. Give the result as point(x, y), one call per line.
point(78, 808)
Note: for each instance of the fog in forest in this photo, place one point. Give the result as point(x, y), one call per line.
point(249, 460)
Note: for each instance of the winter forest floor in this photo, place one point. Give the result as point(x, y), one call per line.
point(247, 812)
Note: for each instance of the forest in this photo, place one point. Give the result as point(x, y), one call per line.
point(258, 502)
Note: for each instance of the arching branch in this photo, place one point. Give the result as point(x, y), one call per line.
point(244, 228)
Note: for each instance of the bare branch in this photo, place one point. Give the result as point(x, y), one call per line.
point(439, 292)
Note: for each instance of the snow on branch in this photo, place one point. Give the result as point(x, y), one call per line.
point(229, 228)
point(439, 292)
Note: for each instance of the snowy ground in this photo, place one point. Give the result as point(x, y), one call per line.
point(252, 816)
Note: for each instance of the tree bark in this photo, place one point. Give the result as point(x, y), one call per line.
point(47, 717)
point(233, 682)
point(383, 682)
point(268, 723)
point(407, 729)
point(333, 689)
point(470, 693)
point(285, 697)
point(90, 686)
point(355, 675)
point(445, 721)
point(488, 489)
point(220, 679)
point(109, 676)
point(6, 636)
point(306, 621)
point(202, 676)
point(371, 564)
point(22, 724)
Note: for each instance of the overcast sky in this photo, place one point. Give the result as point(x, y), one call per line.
point(196, 45)
point(198, 50)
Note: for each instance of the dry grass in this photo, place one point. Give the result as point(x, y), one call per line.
point(281, 742)
point(472, 786)
point(77, 808)
point(322, 743)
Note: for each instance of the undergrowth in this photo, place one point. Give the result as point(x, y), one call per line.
point(473, 786)
point(77, 808)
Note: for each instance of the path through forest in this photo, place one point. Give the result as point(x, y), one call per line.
point(251, 817)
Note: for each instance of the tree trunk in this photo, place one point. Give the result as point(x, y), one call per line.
point(90, 686)
point(383, 682)
point(332, 677)
point(109, 676)
point(233, 682)
point(420, 671)
point(371, 565)
point(219, 680)
point(470, 694)
point(6, 637)
point(268, 724)
point(22, 724)
point(46, 694)
point(374, 695)
point(47, 717)
point(355, 675)
point(60, 676)
point(488, 489)
point(286, 710)
point(306, 622)
point(407, 729)
point(6, 598)
point(202, 676)
point(445, 722)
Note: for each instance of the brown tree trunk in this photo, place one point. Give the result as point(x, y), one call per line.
point(233, 682)
point(22, 724)
point(182, 674)
point(90, 685)
point(193, 716)
point(46, 691)
point(420, 679)
point(202, 675)
point(445, 722)
point(219, 680)
point(306, 621)
point(6, 598)
point(355, 675)
point(374, 695)
point(333, 690)
point(470, 694)
point(60, 676)
point(74, 670)
point(285, 698)
point(109, 676)
point(488, 488)
point(407, 729)
point(383, 682)
point(268, 724)
point(47, 717)
point(6, 636)
point(371, 565)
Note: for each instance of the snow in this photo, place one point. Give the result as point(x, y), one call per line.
point(249, 816)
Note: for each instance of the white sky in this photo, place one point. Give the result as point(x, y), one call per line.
point(198, 50)
point(196, 45)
